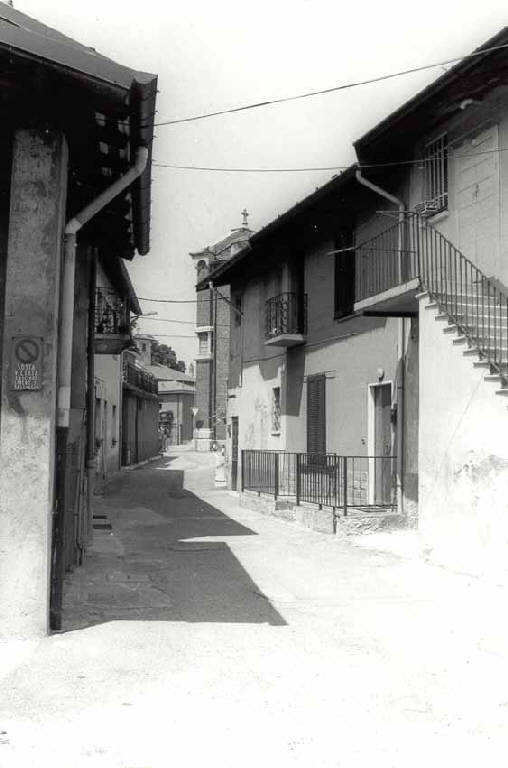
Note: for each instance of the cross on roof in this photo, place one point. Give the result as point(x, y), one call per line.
point(245, 215)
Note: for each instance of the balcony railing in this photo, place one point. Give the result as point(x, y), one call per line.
point(415, 250)
point(111, 313)
point(139, 378)
point(388, 259)
point(285, 314)
point(326, 479)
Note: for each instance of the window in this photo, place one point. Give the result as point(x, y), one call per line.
point(316, 414)
point(143, 347)
point(238, 310)
point(345, 272)
point(436, 176)
point(276, 410)
point(203, 343)
point(113, 425)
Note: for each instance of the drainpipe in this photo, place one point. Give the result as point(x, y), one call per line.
point(401, 341)
point(64, 360)
point(67, 298)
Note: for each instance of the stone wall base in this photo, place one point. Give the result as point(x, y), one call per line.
point(323, 520)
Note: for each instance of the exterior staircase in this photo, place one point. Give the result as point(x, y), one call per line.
point(484, 342)
point(471, 305)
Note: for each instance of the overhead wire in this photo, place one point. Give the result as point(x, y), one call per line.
point(333, 89)
point(307, 169)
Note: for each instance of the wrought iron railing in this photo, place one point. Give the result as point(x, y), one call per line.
point(111, 313)
point(388, 259)
point(285, 313)
point(139, 378)
point(414, 249)
point(326, 479)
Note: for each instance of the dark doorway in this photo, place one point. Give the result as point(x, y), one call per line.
point(345, 272)
point(234, 453)
point(382, 443)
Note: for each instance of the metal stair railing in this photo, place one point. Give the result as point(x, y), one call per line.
point(413, 249)
point(471, 300)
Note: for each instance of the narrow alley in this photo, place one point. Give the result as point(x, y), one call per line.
point(202, 633)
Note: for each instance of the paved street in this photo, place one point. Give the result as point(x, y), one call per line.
point(201, 633)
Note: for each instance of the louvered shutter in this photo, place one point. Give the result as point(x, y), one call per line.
point(316, 414)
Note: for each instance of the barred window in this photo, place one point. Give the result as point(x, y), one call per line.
point(276, 409)
point(436, 175)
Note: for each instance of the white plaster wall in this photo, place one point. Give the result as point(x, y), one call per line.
point(463, 456)
point(108, 382)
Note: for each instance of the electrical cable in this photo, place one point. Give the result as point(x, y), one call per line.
point(342, 87)
point(360, 166)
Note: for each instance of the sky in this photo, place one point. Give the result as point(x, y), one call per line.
point(222, 54)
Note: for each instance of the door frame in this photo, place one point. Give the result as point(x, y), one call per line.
point(371, 427)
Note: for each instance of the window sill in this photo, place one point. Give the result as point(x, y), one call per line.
point(435, 218)
point(343, 318)
point(275, 434)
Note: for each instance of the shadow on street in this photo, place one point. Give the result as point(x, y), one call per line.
point(164, 559)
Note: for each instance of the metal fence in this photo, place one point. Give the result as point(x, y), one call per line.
point(285, 313)
point(111, 313)
point(139, 378)
point(326, 479)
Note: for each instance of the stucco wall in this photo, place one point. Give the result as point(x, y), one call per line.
point(353, 353)
point(108, 390)
point(463, 470)
point(140, 418)
point(180, 404)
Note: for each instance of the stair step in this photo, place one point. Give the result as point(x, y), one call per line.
point(460, 340)
point(422, 295)
point(452, 328)
point(502, 392)
point(494, 377)
point(432, 305)
point(481, 364)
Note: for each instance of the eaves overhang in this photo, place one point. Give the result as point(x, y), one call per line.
point(227, 271)
point(471, 77)
point(133, 92)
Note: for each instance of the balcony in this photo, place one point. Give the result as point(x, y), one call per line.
point(112, 328)
point(139, 378)
point(286, 320)
point(388, 270)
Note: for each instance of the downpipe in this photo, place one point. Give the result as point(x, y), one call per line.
point(64, 365)
point(401, 341)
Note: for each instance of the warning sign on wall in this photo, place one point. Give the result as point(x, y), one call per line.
point(26, 363)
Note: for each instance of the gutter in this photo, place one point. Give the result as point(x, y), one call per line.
point(401, 341)
point(64, 364)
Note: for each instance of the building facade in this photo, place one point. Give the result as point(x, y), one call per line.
point(375, 329)
point(140, 411)
point(176, 393)
point(74, 199)
point(213, 317)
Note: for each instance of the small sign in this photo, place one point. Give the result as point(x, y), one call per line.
point(26, 363)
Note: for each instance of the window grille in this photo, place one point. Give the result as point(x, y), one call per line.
point(276, 409)
point(436, 175)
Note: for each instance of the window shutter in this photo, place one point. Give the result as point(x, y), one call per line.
point(316, 414)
